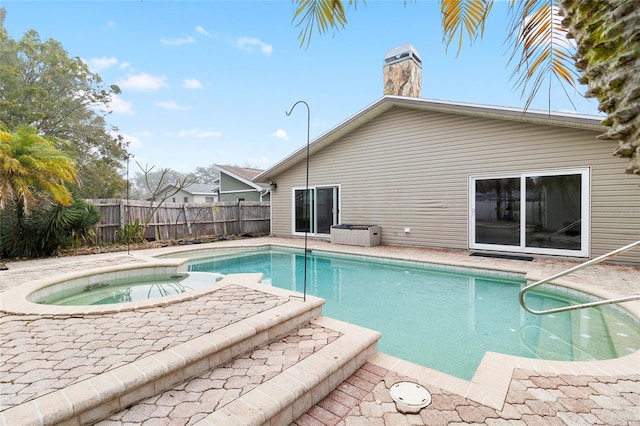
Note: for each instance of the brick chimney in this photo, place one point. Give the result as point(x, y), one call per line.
point(402, 72)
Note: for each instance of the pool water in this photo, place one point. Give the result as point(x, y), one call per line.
point(439, 319)
point(128, 289)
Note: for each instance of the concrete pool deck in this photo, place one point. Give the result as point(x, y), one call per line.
point(52, 365)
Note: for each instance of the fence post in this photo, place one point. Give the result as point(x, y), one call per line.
point(239, 217)
point(186, 219)
point(122, 213)
point(156, 226)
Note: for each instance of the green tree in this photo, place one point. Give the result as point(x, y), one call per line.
point(30, 168)
point(66, 226)
point(40, 85)
point(607, 57)
point(32, 173)
point(206, 174)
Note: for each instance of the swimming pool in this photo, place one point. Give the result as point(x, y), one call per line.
point(442, 319)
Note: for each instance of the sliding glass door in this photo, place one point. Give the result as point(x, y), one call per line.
point(543, 212)
point(326, 209)
point(315, 210)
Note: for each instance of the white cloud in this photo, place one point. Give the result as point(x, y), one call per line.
point(125, 66)
point(202, 31)
point(133, 141)
point(281, 134)
point(144, 82)
point(199, 133)
point(120, 106)
point(249, 44)
point(111, 24)
point(192, 83)
point(145, 133)
point(99, 64)
point(117, 105)
point(177, 41)
point(172, 105)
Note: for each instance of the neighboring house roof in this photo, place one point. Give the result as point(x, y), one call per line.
point(193, 189)
point(244, 175)
point(387, 102)
point(201, 189)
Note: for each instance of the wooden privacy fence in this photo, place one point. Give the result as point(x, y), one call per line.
point(174, 221)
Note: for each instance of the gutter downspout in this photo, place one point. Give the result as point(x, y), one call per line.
point(266, 191)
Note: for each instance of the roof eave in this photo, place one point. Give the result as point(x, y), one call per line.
point(386, 102)
point(252, 182)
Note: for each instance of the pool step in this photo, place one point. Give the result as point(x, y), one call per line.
point(96, 398)
point(554, 334)
point(597, 338)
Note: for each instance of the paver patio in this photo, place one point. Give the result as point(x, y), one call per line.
point(39, 355)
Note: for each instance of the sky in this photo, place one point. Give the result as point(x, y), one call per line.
point(210, 82)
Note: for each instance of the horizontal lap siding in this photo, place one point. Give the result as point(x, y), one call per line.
point(386, 179)
point(410, 168)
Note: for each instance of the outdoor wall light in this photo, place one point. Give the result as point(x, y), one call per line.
point(273, 185)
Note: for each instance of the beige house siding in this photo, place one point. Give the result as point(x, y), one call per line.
point(411, 168)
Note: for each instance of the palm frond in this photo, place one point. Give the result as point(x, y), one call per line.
point(540, 48)
point(464, 19)
point(320, 16)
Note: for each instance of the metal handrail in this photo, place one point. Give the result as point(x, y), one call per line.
point(573, 269)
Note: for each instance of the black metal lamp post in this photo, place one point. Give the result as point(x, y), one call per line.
point(306, 230)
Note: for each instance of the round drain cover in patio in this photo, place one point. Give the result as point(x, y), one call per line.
point(410, 394)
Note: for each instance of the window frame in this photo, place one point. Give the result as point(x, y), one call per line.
point(585, 219)
point(314, 214)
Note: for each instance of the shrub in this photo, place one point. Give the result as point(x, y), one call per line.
point(48, 229)
point(131, 233)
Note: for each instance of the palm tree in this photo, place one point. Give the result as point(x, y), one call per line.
point(605, 50)
point(607, 33)
point(32, 170)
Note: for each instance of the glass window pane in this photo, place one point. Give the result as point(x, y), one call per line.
point(324, 210)
point(497, 211)
point(554, 209)
point(303, 211)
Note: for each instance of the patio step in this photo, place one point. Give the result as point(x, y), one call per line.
point(288, 395)
point(96, 398)
point(274, 384)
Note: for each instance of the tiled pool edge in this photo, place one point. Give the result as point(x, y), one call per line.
point(15, 301)
point(493, 376)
